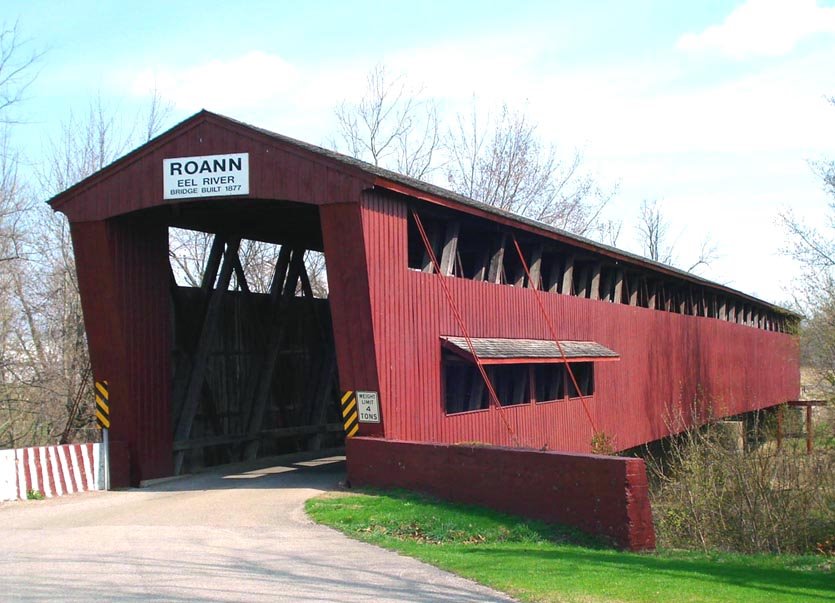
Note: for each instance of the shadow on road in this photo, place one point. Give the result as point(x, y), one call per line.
point(324, 470)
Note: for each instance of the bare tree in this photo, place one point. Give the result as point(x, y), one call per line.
point(317, 272)
point(390, 126)
point(813, 248)
point(503, 162)
point(13, 202)
point(607, 231)
point(49, 362)
point(708, 253)
point(157, 115)
point(258, 260)
point(17, 72)
point(54, 373)
point(813, 292)
point(44, 364)
point(17, 69)
point(188, 252)
point(813, 295)
point(18, 417)
point(826, 170)
point(86, 144)
point(653, 230)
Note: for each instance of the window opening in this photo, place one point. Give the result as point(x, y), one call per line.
point(515, 384)
point(480, 250)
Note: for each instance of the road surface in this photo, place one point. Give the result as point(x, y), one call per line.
point(237, 534)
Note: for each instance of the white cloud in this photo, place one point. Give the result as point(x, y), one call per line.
point(763, 28)
point(780, 106)
point(239, 83)
point(725, 153)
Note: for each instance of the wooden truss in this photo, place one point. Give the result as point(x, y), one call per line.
point(251, 369)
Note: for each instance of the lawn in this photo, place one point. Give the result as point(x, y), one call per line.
point(536, 562)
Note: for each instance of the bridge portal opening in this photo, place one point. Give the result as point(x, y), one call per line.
point(253, 362)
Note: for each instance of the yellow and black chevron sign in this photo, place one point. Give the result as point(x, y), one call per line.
point(102, 405)
point(350, 414)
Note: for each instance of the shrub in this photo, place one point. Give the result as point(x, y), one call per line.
point(708, 495)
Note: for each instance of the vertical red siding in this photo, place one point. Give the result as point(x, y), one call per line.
point(353, 328)
point(277, 171)
point(387, 318)
point(123, 277)
point(667, 360)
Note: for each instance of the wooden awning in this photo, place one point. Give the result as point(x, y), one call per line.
point(522, 351)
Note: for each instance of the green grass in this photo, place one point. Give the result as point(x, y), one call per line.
point(537, 562)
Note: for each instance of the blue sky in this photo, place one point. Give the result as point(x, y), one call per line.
point(712, 108)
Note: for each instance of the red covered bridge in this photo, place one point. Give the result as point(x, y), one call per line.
point(426, 289)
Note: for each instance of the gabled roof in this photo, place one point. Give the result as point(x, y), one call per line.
point(365, 175)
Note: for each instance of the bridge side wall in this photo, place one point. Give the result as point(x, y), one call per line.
point(670, 364)
point(602, 495)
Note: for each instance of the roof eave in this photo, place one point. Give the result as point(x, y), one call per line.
point(473, 207)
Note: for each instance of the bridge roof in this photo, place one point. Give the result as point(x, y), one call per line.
point(286, 169)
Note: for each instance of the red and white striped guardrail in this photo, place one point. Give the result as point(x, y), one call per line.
point(51, 470)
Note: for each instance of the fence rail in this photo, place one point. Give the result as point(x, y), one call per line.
point(51, 470)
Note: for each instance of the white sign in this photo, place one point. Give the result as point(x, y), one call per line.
point(206, 176)
point(368, 404)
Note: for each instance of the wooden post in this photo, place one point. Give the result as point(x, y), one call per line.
point(809, 432)
point(240, 276)
point(618, 295)
point(483, 265)
point(450, 250)
point(554, 273)
point(518, 280)
point(432, 234)
point(595, 282)
point(582, 283)
point(213, 264)
point(536, 268)
point(568, 276)
point(497, 262)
